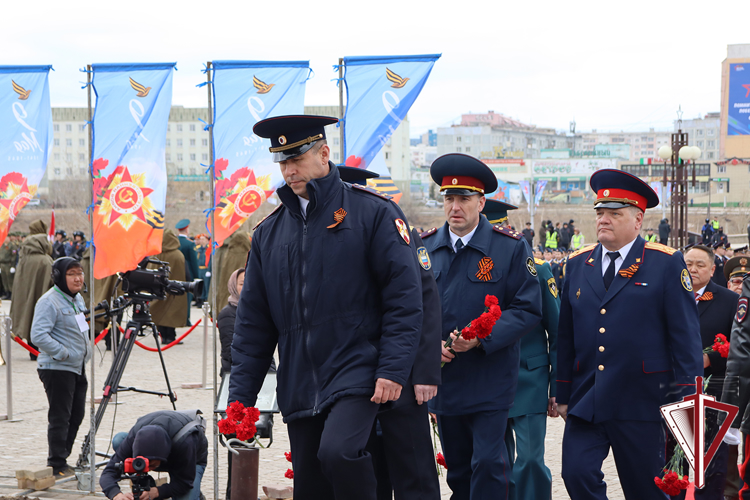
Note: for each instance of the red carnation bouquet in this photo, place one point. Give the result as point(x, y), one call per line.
point(289, 474)
point(240, 421)
point(721, 345)
point(480, 327)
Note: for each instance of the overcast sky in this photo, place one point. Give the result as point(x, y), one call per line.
point(606, 65)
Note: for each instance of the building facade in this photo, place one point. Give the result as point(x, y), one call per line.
point(705, 133)
point(642, 145)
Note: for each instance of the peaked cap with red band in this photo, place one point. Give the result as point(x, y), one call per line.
point(460, 174)
point(618, 189)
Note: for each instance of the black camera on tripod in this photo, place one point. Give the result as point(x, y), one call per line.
point(154, 284)
point(136, 469)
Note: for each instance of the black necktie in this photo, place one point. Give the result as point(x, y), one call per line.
point(609, 274)
point(459, 245)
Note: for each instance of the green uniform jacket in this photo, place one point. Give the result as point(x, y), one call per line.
point(33, 279)
point(538, 370)
point(230, 256)
point(187, 247)
point(173, 311)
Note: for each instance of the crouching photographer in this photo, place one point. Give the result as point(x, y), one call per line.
point(163, 441)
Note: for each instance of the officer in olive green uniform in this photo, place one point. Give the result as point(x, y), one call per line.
point(8, 253)
point(531, 479)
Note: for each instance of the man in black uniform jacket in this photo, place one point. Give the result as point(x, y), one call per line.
point(333, 281)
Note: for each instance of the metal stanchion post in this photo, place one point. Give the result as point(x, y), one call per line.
point(206, 310)
point(6, 331)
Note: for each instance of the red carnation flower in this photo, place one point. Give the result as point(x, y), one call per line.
point(227, 427)
point(288, 455)
point(289, 474)
point(97, 167)
point(482, 326)
point(236, 411)
point(441, 460)
point(468, 333)
point(246, 430)
point(219, 166)
point(495, 312)
point(490, 301)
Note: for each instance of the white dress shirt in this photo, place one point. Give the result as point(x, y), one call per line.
point(619, 260)
point(465, 239)
point(699, 292)
point(303, 205)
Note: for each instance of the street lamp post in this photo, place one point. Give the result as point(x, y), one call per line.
point(679, 155)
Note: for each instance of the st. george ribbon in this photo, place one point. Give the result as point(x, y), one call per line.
point(686, 422)
point(379, 92)
point(246, 92)
point(25, 137)
point(133, 102)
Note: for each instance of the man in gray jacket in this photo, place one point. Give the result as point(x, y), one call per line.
point(60, 332)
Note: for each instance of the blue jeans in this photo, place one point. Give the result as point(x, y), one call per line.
point(193, 494)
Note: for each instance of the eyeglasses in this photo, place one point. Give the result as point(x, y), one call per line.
point(736, 281)
point(75, 275)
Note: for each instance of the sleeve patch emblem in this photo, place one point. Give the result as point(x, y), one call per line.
point(530, 266)
point(741, 310)
point(424, 258)
point(552, 287)
point(687, 282)
point(403, 230)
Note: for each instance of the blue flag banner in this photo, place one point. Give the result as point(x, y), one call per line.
point(25, 137)
point(129, 170)
point(379, 92)
point(246, 92)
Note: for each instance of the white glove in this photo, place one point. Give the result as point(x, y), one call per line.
point(12, 270)
point(733, 437)
point(208, 275)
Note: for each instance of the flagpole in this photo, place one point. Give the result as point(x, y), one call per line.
point(213, 271)
point(341, 110)
point(92, 305)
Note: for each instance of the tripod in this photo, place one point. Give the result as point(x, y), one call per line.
point(140, 321)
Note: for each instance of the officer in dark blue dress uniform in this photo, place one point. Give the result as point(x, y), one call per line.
point(628, 342)
point(719, 261)
point(716, 308)
point(535, 396)
point(401, 444)
point(471, 259)
point(333, 281)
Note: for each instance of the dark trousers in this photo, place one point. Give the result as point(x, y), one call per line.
point(66, 394)
point(733, 483)
point(403, 454)
point(475, 452)
point(167, 333)
point(639, 452)
point(524, 438)
point(328, 452)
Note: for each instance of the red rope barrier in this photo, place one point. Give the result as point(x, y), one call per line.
point(175, 342)
point(101, 335)
point(26, 346)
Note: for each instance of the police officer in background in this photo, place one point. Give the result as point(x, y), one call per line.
point(471, 259)
point(409, 470)
point(628, 343)
point(332, 280)
point(535, 397)
point(719, 260)
point(650, 236)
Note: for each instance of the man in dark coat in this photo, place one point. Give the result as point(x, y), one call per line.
point(173, 442)
point(564, 241)
point(33, 278)
point(707, 232)
point(471, 259)
point(719, 260)
point(331, 279)
point(187, 247)
point(664, 231)
point(528, 234)
point(716, 308)
point(622, 296)
point(409, 469)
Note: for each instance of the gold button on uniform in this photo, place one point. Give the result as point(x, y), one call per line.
point(602, 330)
point(603, 311)
point(601, 368)
point(601, 348)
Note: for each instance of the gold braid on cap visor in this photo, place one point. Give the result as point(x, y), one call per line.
point(619, 200)
point(458, 186)
point(497, 221)
point(296, 144)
